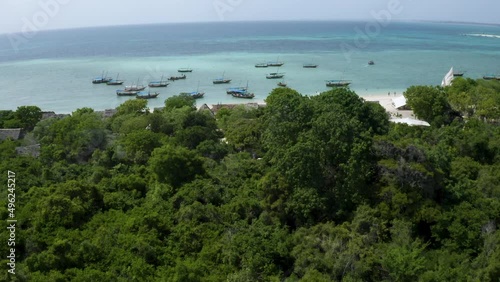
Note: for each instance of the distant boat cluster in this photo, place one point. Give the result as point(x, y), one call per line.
point(138, 90)
point(238, 92)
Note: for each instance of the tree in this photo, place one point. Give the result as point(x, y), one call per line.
point(74, 138)
point(175, 165)
point(8, 117)
point(242, 128)
point(286, 115)
point(430, 104)
point(28, 116)
point(180, 101)
point(474, 98)
point(139, 144)
point(134, 106)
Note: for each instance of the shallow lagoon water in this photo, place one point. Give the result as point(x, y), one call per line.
point(54, 70)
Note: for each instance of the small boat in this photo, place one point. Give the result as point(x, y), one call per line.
point(309, 66)
point(337, 83)
point(135, 87)
point(489, 77)
point(115, 81)
point(123, 92)
point(194, 94)
point(458, 73)
point(177, 77)
point(236, 89)
point(160, 83)
point(282, 84)
point(275, 64)
point(371, 63)
point(185, 70)
point(261, 65)
point(104, 78)
point(97, 80)
point(243, 94)
point(275, 75)
point(146, 95)
point(221, 80)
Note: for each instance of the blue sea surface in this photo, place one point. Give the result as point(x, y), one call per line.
point(54, 69)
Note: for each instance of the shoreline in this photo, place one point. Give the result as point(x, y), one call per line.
point(384, 100)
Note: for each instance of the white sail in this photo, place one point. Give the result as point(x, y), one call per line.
point(447, 78)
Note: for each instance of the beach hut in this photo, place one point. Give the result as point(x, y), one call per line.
point(10, 133)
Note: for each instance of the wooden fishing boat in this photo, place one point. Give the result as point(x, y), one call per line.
point(177, 77)
point(275, 75)
point(194, 94)
point(160, 83)
point(221, 80)
point(115, 81)
point(123, 92)
point(146, 95)
point(337, 83)
point(309, 66)
point(243, 94)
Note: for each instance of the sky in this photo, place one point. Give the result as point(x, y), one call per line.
point(27, 15)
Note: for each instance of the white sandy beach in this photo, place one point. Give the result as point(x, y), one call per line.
point(386, 102)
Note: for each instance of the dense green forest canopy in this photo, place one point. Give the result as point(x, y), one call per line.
point(319, 188)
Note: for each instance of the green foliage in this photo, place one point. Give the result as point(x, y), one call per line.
point(6, 117)
point(139, 145)
point(175, 165)
point(74, 138)
point(179, 101)
point(475, 99)
point(317, 188)
point(242, 128)
point(403, 259)
point(430, 104)
point(28, 116)
point(25, 117)
point(134, 106)
point(327, 146)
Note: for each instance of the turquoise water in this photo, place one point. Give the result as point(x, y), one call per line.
point(54, 69)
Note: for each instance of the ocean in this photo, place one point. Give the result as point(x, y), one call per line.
point(54, 69)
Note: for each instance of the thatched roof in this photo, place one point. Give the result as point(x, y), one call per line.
point(47, 115)
point(205, 107)
point(107, 113)
point(12, 133)
point(32, 150)
point(216, 108)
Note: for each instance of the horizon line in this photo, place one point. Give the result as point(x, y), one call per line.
point(261, 21)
